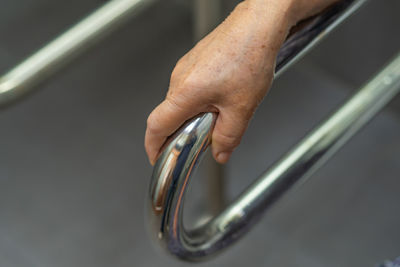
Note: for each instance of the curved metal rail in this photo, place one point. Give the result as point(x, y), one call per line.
point(21, 80)
point(182, 152)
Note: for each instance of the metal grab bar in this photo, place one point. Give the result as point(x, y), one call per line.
point(22, 79)
point(182, 152)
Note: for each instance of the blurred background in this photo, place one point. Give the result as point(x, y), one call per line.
point(74, 174)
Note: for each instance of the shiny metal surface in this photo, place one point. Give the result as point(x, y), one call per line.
point(184, 149)
point(22, 79)
point(206, 16)
point(312, 31)
point(181, 155)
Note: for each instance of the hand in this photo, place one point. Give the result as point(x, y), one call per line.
point(228, 72)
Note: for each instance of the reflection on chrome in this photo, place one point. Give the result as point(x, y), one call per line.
point(23, 78)
point(191, 140)
point(171, 177)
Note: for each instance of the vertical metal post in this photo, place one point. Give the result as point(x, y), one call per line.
point(206, 16)
point(215, 184)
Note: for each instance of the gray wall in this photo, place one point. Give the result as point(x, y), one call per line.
point(73, 171)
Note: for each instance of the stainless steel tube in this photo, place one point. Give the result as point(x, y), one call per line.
point(21, 79)
point(173, 170)
point(207, 15)
point(182, 152)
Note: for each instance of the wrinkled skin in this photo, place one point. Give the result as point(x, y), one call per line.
point(228, 72)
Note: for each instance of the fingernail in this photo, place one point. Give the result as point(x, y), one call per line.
point(223, 157)
point(152, 162)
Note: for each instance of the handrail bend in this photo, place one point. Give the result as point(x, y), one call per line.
point(182, 152)
point(21, 79)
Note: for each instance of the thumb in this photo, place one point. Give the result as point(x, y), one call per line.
point(164, 121)
point(227, 134)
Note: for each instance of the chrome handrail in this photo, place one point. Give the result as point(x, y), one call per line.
point(21, 79)
point(182, 152)
point(173, 170)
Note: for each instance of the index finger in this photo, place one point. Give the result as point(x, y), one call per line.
point(163, 122)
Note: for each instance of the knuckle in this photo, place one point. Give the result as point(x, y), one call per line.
point(181, 61)
point(184, 87)
point(152, 123)
point(192, 82)
point(244, 102)
point(177, 102)
point(227, 141)
point(175, 74)
point(245, 109)
point(188, 92)
point(178, 69)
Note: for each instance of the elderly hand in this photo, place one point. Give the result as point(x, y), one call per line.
point(228, 72)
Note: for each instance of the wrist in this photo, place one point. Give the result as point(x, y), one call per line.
point(283, 12)
point(293, 10)
point(268, 21)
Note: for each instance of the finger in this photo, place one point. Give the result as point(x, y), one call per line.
point(164, 121)
point(227, 134)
